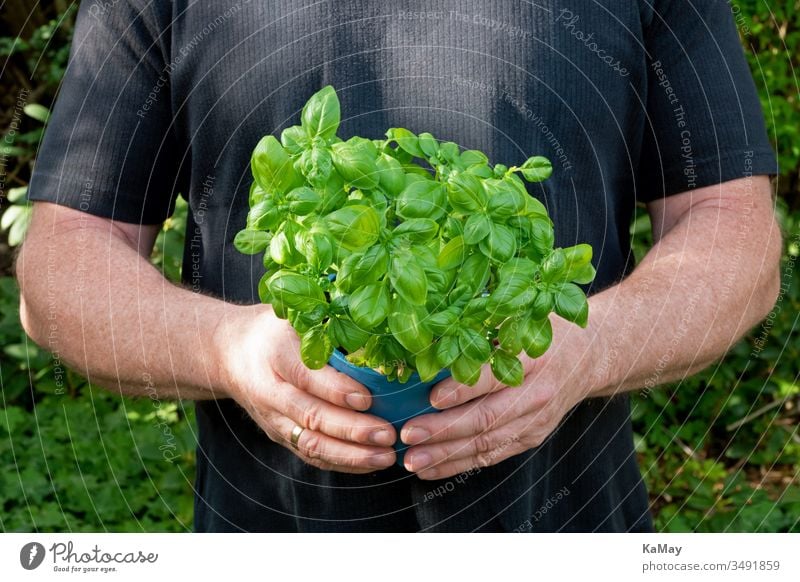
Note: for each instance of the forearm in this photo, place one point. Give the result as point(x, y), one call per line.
point(108, 313)
point(708, 280)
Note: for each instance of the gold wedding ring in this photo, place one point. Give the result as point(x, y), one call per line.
point(296, 432)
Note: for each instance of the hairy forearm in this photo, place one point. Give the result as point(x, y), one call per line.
point(89, 297)
point(709, 279)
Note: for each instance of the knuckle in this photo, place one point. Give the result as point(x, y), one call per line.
point(483, 443)
point(297, 372)
point(311, 417)
point(358, 434)
point(313, 448)
point(484, 419)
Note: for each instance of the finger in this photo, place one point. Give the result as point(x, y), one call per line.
point(326, 383)
point(466, 464)
point(318, 415)
point(449, 393)
point(333, 454)
point(478, 416)
point(489, 443)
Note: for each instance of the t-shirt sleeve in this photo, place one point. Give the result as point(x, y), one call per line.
point(110, 147)
point(704, 121)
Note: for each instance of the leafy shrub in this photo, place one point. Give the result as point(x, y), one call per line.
point(407, 267)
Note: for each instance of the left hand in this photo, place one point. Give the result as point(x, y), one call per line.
point(485, 424)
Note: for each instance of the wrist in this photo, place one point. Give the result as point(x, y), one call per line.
point(233, 323)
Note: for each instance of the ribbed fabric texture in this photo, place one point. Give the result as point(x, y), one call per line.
point(163, 98)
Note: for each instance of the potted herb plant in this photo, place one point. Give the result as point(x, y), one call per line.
point(403, 260)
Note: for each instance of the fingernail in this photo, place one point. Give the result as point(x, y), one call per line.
point(418, 461)
point(356, 400)
point(381, 437)
point(416, 435)
point(380, 461)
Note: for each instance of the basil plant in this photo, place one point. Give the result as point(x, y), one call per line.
point(407, 253)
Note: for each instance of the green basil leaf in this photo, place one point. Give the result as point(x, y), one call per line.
point(316, 348)
point(317, 166)
point(500, 245)
point(473, 345)
point(477, 308)
point(302, 201)
point(251, 242)
point(406, 140)
point(354, 227)
point(512, 297)
point(264, 294)
point(427, 364)
point(422, 199)
point(370, 266)
point(281, 249)
point(302, 321)
point(504, 199)
point(542, 305)
point(571, 304)
point(406, 325)
point(452, 254)
point(391, 176)
point(355, 160)
point(542, 236)
point(473, 158)
point(507, 368)
point(510, 335)
point(537, 335)
point(322, 113)
point(417, 229)
point(257, 194)
point(477, 228)
point(428, 144)
point(272, 167)
point(537, 169)
point(369, 306)
point(347, 334)
point(450, 152)
point(534, 208)
point(408, 279)
point(447, 350)
point(519, 268)
point(294, 139)
point(295, 291)
point(453, 227)
point(344, 273)
point(576, 257)
point(554, 266)
point(263, 216)
point(465, 193)
point(584, 275)
point(443, 322)
point(474, 273)
point(480, 171)
point(466, 370)
point(316, 248)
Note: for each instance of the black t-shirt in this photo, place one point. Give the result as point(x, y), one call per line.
point(632, 102)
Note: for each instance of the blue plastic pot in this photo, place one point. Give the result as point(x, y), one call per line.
point(394, 401)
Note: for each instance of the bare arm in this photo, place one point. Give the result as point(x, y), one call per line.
point(90, 293)
point(712, 274)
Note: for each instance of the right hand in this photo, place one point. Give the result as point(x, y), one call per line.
point(260, 365)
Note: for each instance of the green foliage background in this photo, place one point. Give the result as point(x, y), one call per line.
point(720, 451)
